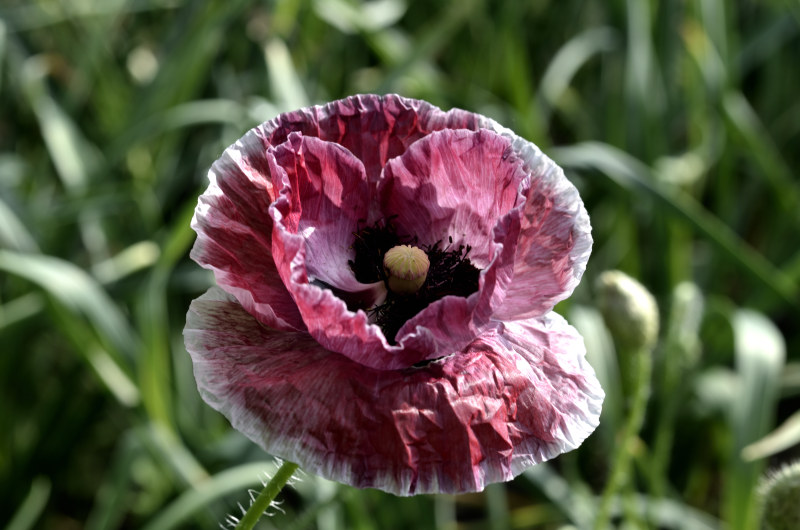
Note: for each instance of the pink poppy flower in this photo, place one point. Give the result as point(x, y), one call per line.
point(463, 379)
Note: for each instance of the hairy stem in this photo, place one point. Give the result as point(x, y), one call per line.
point(267, 495)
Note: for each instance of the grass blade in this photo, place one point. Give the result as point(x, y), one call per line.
point(32, 507)
point(785, 436)
point(286, 87)
point(569, 59)
point(13, 234)
point(79, 293)
point(230, 481)
point(155, 369)
point(760, 354)
point(634, 176)
point(754, 139)
point(73, 157)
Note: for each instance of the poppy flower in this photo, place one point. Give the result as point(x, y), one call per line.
point(386, 276)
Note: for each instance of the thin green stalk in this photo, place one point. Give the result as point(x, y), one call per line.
point(621, 463)
point(267, 495)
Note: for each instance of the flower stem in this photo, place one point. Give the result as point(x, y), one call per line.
point(267, 495)
point(621, 463)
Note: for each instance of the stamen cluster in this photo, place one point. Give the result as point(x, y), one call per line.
point(451, 273)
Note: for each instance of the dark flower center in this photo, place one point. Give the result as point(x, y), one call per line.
point(450, 274)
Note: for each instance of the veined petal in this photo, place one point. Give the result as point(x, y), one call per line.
point(328, 197)
point(374, 128)
point(556, 239)
point(515, 397)
point(234, 233)
point(477, 388)
point(453, 184)
point(325, 197)
point(459, 187)
point(569, 397)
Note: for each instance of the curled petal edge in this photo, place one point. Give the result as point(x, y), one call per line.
point(509, 401)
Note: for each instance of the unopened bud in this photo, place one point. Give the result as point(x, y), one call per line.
point(406, 268)
point(779, 492)
point(628, 309)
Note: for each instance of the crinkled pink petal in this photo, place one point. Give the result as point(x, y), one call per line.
point(373, 128)
point(231, 223)
point(556, 242)
point(459, 187)
point(234, 233)
point(276, 227)
point(453, 184)
point(327, 182)
point(518, 395)
point(327, 200)
point(556, 238)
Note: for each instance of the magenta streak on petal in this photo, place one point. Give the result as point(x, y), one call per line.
point(329, 200)
point(374, 128)
point(453, 183)
point(556, 239)
point(518, 395)
point(325, 189)
point(234, 233)
point(466, 187)
point(231, 230)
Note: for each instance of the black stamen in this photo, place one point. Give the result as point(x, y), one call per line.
point(450, 274)
point(370, 245)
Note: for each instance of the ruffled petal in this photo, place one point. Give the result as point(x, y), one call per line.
point(568, 396)
point(453, 184)
point(517, 396)
point(234, 233)
point(556, 239)
point(459, 187)
point(328, 198)
point(325, 197)
point(374, 128)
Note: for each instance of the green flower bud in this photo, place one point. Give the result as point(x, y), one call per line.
point(628, 309)
point(406, 268)
point(779, 493)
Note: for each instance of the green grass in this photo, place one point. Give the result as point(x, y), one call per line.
point(678, 121)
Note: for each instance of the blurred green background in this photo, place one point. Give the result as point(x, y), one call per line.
point(679, 121)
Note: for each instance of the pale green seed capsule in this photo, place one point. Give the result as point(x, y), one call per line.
point(406, 268)
point(628, 309)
